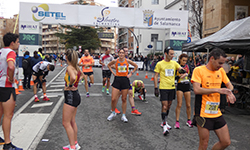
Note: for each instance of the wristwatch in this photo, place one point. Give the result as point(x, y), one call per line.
point(70, 85)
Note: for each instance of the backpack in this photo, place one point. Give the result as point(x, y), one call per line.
point(25, 64)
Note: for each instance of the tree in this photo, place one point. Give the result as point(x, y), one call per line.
point(79, 35)
point(195, 8)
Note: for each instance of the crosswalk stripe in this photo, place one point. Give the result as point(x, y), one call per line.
point(54, 90)
point(42, 105)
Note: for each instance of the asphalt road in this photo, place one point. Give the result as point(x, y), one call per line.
point(39, 125)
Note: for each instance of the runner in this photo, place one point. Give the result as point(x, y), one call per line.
point(61, 58)
point(166, 68)
point(120, 83)
point(207, 81)
point(106, 73)
point(183, 88)
point(72, 99)
point(87, 62)
point(40, 71)
point(55, 58)
point(7, 87)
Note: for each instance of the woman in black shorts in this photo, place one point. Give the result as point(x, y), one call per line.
point(72, 98)
point(183, 88)
point(121, 83)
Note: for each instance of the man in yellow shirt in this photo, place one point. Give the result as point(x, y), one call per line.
point(166, 68)
point(207, 80)
point(87, 62)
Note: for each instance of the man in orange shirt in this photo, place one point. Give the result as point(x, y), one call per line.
point(87, 62)
point(207, 81)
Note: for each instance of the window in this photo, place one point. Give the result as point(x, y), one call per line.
point(155, 2)
point(154, 36)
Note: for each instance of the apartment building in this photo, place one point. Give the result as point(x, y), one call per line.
point(125, 36)
point(51, 43)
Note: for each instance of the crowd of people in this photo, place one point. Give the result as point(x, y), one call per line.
point(205, 73)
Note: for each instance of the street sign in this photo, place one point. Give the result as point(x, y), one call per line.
point(150, 46)
point(188, 39)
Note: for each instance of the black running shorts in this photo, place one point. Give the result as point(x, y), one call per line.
point(106, 73)
point(6, 92)
point(184, 87)
point(209, 123)
point(72, 98)
point(88, 73)
point(167, 95)
point(121, 83)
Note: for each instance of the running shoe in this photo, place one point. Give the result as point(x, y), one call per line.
point(111, 116)
point(87, 94)
point(1, 141)
point(82, 80)
point(103, 89)
point(36, 99)
point(124, 119)
point(165, 130)
point(45, 98)
point(189, 124)
point(116, 111)
point(140, 97)
point(136, 112)
point(67, 147)
point(89, 84)
point(169, 127)
point(107, 91)
point(177, 125)
point(10, 147)
point(145, 101)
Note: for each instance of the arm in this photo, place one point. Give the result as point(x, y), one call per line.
point(230, 86)
point(80, 62)
point(11, 71)
point(156, 79)
point(110, 65)
point(202, 91)
point(135, 67)
point(100, 62)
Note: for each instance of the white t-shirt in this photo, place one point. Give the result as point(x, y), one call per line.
point(106, 59)
point(42, 65)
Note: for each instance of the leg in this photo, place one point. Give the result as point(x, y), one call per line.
point(114, 98)
point(25, 81)
point(108, 83)
point(86, 83)
point(35, 84)
point(179, 104)
point(91, 77)
point(43, 84)
point(131, 99)
point(68, 114)
point(164, 109)
point(8, 111)
point(73, 124)
point(224, 138)
point(204, 137)
point(124, 100)
point(104, 81)
point(187, 96)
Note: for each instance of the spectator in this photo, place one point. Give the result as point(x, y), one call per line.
point(145, 63)
point(35, 59)
point(27, 70)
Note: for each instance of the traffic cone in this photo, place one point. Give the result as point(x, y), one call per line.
point(31, 82)
point(17, 92)
point(137, 74)
point(152, 79)
point(16, 81)
point(20, 87)
point(146, 76)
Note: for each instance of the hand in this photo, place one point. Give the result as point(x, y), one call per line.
point(129, 75)
point(183, 75)
point(225, 91)
point(231, 98)
point(156, 92)
point(11, 81)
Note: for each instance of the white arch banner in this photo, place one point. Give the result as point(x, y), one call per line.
point(86, 15)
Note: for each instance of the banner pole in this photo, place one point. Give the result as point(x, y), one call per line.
point(16, 23)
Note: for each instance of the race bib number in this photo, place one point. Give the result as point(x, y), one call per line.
point(212, 107)
point(87, 67)
point(122, 68)
point(169, 72)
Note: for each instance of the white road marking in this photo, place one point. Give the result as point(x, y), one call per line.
point(22, 126)
point(42, 105)
point(50, 96)
point(54, 86)
point(54, 90)
point(58, 83)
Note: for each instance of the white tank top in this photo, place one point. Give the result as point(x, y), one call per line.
point(42, 65)
point(6, 54)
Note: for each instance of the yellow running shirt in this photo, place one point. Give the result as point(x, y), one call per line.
point(167, 73)
point(208, 105)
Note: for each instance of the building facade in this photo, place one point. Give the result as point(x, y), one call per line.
point(7, 25)
point(218, 13)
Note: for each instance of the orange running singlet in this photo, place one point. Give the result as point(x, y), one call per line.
point(121, 68)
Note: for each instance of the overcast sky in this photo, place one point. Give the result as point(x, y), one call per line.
point(10, 7)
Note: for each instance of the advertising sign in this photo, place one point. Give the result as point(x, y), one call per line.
point(30, 39)
point(175, 44)
point(102, 16)
point(29, 27)
point(178, 34)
